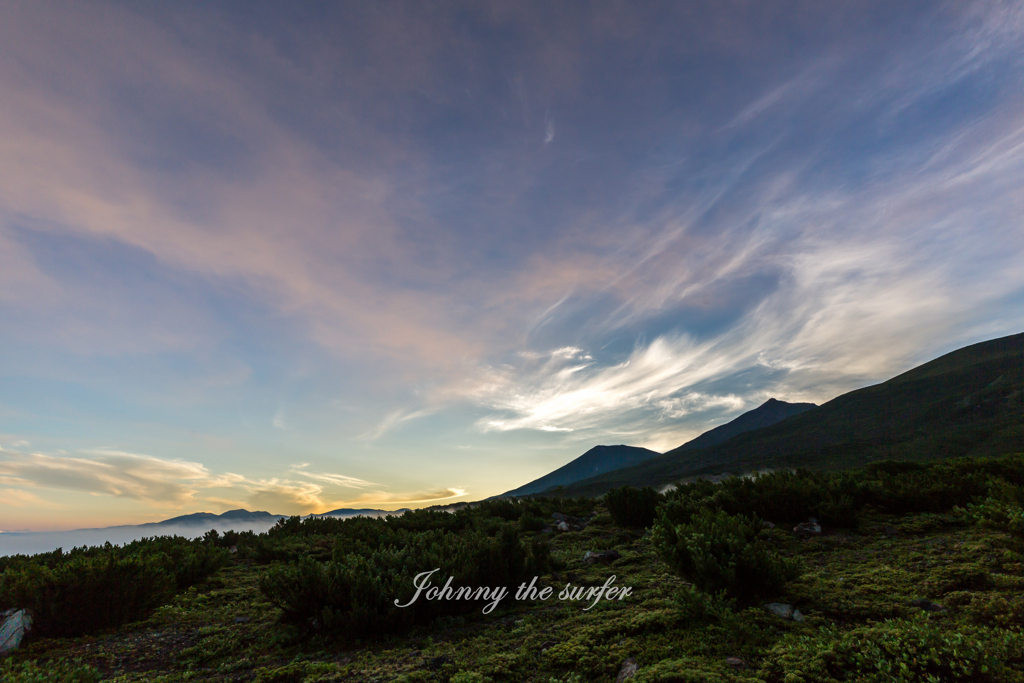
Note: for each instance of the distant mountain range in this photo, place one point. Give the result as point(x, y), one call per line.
point(191, 526)
point(967, 402)
point(244, 516)
point(201, 518)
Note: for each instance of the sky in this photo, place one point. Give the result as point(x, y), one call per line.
point(297, 257)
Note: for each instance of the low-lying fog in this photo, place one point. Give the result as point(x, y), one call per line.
point(32, 542)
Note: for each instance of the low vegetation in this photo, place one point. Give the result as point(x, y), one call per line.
point(916, 574)
point(93, 589)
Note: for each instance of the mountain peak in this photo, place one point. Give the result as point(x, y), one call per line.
point(597, 460)
point(765, 415)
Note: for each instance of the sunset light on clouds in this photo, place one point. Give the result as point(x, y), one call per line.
point(303, 256)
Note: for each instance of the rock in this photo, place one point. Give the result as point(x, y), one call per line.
point(736, 662)
point(797, 616)
point(627, 671)
point(15, 624)
point(606, 557)
point(807, 529)
point(559, 517)
point(233, 549)
point(927, 605)
point(546, 530)
point(767, 525)
point(780, 610)
point(812, 520)
point(562, 526)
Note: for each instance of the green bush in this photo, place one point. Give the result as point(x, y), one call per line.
point(838, 498)
point(1001, 510)
point(717, 551)
point(354, 595)
point(60, 671)
point(93, 589)
point(531, 523)
point(897, 651)
point(630, 506)
point(697, 607)
point(686, 670)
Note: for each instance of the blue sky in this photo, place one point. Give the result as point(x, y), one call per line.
point(297, 257)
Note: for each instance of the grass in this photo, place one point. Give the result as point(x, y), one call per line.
point(857, 592)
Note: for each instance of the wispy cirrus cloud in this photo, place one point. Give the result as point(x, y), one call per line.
point(822, 288)
point(336, 479)
point(110, 472)
point(375, 247)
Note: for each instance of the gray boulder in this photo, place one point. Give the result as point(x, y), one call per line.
point(607, 556)
point(736, 662)
point(14, 624)
point(807, 529)
point(780, 610)
point(928, 605)
point(627, 671)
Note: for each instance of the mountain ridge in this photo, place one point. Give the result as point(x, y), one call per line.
point(765, 415)
point(596, 461)
point(965, 402)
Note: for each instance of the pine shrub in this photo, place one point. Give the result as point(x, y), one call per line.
point(98, 588)
point(631, 506)
point(898, 651)
point(719, 552)
point(354, 595)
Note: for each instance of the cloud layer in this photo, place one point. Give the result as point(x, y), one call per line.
point(440, 253)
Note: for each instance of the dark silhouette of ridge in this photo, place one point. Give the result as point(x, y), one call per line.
point(765, 415)
point(969, 402)
point(597, 460)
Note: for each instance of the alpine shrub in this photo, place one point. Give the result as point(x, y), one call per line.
point(717, 551)
point(102, 587)
point(354, 595)
point(87, 594)
point(630, 506)
point(904, 650)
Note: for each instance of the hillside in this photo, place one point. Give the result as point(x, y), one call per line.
point(598, 460)
point(907, 566)
point(967, 402)
point(765, 415)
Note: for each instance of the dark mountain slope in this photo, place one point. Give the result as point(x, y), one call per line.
point(968, 402)
point(765, 415)
point(597, 460)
